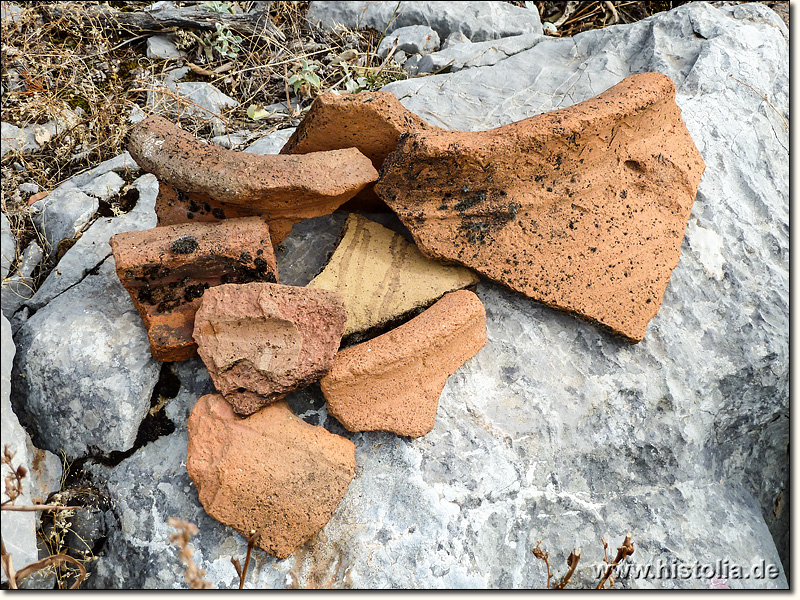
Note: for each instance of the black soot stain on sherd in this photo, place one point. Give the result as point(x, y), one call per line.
point(185, 245)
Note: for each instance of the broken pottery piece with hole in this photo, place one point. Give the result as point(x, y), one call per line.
point(283, 189)
point(393, 382)
point(271, 473)
point(370, 121)
point(383, 278)
point(261, 341)
point(167, 270)
point(583, 209)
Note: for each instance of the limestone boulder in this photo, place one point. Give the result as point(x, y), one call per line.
point(166, 270)
point(384, 278)
point(393, 382)
point(479, 21)
point(261, 341)
point(270, 473)
point(583, 209)
point(283, 189)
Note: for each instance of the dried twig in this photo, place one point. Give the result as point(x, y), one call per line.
point(623, 552)
point(194, 575)
point(50, 561)
point(544, 556)
point(255, 535)
point(572, 564)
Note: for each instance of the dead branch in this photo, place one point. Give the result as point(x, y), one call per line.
point(255, 23)
point(50, 561)
point(572, 564)
point(623, 552)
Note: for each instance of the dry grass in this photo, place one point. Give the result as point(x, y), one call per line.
point(91, 79)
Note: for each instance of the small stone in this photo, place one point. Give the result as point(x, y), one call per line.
point(8, 246)
point(370, 121)
point(454, 39)
point(261, 341)
point(160, 46)
point(413, 39)
point(29, 187)
point(166, 270)
point(393, 382)
point(283, 189)
point(583, 209)
point(62, 215)
point(19, 287)
point(271, 473)
point(382, 277)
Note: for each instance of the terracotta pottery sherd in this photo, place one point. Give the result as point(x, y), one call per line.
point(271, 473)
point(166, 270)
point(283, 189)
point(175, 206)
point(370, 121)
point(261, 341)
point(583, 209)
point(384, 278)
point(393, 382)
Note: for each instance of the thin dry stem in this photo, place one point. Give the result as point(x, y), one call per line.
point(194, 575)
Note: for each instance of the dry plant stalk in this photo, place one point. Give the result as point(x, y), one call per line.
point(255, 535)
point(194, 575)
point(13, 489)
point(623, 552)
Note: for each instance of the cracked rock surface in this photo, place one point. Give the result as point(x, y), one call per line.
point(393, 382)
point(283, 189)
point(270, 472)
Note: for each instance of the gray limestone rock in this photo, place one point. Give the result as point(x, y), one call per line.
point(413, 39)
point(104, 186)
point(121, 164)
point(19, 287)
point(555, 430)
point(18, 528)
point(272, 143)
point(8, 246)
point(10, 12)
point(481, 54)
point(160, 46)
point(454, 39)
point(479, 21)
point(63, 215)
point(198, 99)
point(93, 248)
point(83, 376)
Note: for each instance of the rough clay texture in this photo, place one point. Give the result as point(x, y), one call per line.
point(479, 21)
point(370, 121)
point(175, 206)
point(270, 472)
point(382, 277)
point(393, 382)
point(167, 270)
point(583, 209)
point(261, 341)
point(283, 189)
